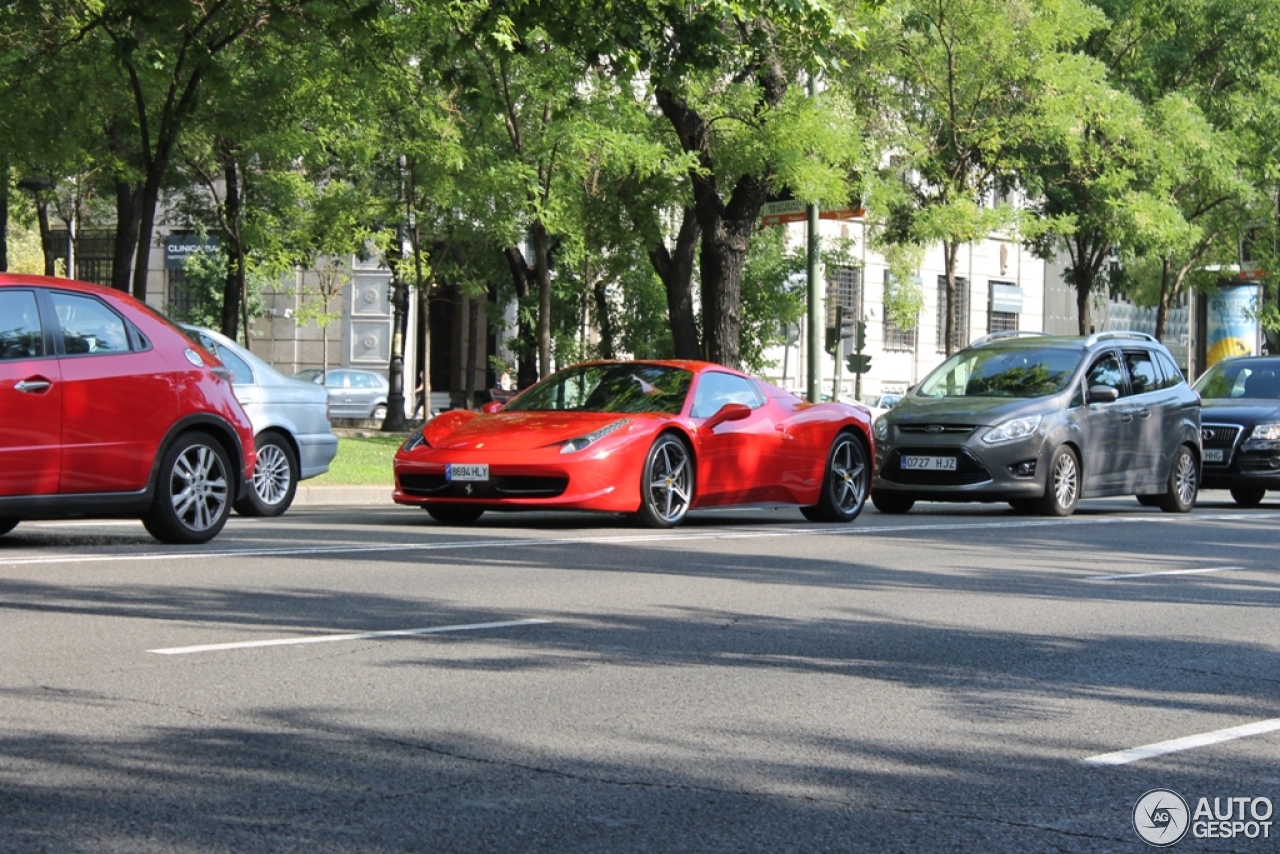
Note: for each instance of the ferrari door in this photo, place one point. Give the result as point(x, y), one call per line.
point(737, 459)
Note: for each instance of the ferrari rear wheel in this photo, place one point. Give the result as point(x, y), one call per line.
point(844, 486)
point(666, 483)
point(454, 514)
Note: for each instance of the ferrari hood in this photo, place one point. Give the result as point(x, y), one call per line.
point(512, 431)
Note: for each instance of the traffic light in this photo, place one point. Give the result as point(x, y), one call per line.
point(859, 337)
point(859, 363)
point(831, 341)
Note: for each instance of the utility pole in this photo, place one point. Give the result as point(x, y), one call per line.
point(816, 325)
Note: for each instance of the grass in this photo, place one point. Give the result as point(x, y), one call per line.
point(361, 461)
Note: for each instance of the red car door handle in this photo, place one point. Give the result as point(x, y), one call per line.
point(32, 386)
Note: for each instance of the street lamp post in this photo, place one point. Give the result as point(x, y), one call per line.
point(398, 295)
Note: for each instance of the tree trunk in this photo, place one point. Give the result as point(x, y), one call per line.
point(542, 265)
point(604, 321)
point(726, 227)
point(950, 251)
point(46, 236)
point(4, 217)
point(676, 272)
point(526, 366)
point(233, 295)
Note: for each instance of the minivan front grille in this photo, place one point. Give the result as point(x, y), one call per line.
point(937, 429)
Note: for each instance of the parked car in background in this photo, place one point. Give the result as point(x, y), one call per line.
point(1040, 422)
point(1240, 426)
point(651, 439)
point(353, 393)
point(108, 409)
point(879, 404)
point(290, 424)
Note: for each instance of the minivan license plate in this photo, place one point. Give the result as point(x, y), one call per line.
point(466, 471)
point(929, 463)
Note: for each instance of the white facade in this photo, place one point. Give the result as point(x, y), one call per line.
point(998, 273)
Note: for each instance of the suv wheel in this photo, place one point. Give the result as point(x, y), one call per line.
point(1183, 484)
point(7, 525)
point(193, 492)
point(1062, 491)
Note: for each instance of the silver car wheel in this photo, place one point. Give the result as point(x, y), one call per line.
point(1183, 485)
point(272, 476)
point(1065, 480)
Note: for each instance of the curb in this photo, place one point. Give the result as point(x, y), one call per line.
point(320, 496)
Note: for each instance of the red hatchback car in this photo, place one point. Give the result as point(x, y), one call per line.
point(107, 409)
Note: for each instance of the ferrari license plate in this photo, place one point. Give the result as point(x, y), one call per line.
point(1213, 455)
point(929, 463)
point(466, 471)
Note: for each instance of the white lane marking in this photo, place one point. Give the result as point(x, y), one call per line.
point(662, 537)
point(217, 647)
point(1164, 572)
point(1160, 748)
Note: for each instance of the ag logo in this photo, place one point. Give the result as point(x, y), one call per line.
point(1161, 817)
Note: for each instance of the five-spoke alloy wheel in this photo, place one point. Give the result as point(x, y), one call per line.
point(844, 485)
point(666, 483)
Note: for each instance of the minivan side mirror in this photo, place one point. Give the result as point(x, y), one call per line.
point(1103, 394)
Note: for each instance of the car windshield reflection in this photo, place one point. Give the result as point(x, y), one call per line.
point(629, 388)
point(1002, 373)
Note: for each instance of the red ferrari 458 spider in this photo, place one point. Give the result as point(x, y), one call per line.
point(654, 439)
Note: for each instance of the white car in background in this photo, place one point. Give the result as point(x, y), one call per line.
point(290, 423)
point(879, 404)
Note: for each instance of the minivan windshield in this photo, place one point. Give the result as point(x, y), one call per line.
point(1002, 372)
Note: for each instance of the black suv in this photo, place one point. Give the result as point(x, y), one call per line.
point(1042, 421)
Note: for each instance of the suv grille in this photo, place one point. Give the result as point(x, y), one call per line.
point(936, 429)
point(1219, 437)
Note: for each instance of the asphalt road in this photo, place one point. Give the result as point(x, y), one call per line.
point(361, 679)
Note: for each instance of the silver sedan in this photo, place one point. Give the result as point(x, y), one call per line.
point(290, 424)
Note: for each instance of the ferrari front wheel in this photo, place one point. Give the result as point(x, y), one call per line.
point(844, 485)
point(666, 483)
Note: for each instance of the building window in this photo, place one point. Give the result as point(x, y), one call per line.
point(1005, 307)
point(844, 288)
point(959, 311)
point(895, 337)
point(184, 303)
point(1002, 321)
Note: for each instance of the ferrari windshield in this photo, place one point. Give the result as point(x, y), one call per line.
point(1002, 372)
point(614, 387)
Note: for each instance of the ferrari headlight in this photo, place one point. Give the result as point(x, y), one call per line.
point(415, 440)
point(1012, 430)
point(581, 442)
point(1268, 432)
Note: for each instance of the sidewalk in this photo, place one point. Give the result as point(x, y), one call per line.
point(311, 496)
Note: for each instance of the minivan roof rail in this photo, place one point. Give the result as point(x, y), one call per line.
point(1119, 333)
point(1008, 333)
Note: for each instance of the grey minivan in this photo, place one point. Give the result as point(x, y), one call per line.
point(1041, 422)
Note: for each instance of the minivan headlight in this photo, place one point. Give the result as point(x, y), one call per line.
point(881, 428)
point(1012, 430)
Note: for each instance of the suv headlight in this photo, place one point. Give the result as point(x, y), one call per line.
point(1012, 430)
point(1269, 432)
point(581, 442)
